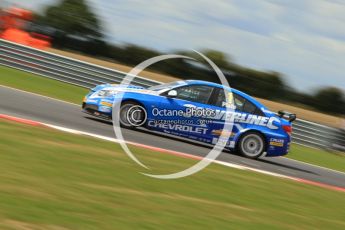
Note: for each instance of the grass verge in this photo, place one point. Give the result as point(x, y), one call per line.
point(328, 159)
point(54, 180)
point(41, 85)
point(33, 83)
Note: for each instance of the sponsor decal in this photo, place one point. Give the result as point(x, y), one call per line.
point(105, 103)
point(105, 109)
point(272, 148)
point(277, 142)
point(177, 127)
point(218, 132)
point(245, 118)
point(230, 144)
point(91, 101)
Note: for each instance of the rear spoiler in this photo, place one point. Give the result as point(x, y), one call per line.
point(287, 115)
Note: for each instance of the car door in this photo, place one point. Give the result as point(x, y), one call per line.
point(239, 110)
point(171, 114)
point(221, 100)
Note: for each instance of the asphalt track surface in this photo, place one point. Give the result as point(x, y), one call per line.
point(30, 106)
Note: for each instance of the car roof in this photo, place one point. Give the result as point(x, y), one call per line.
point(212, 84)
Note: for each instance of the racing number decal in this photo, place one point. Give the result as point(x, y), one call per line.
point(228, 103)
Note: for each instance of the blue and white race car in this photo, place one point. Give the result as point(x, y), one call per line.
point(197, 110)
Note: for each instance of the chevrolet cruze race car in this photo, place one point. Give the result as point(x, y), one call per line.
point(196, 110)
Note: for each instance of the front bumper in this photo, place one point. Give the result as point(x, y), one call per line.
point(93, 110)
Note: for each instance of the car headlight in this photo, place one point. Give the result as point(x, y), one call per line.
point(105, 93)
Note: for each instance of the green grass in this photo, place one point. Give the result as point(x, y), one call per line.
point(332, 160)
point(70, 93)
point(54, 180)
point(41, 85)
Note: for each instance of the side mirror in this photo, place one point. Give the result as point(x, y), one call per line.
point(172, 93)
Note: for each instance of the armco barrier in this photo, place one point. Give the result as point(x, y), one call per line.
point(62, 68)
point(88, 75)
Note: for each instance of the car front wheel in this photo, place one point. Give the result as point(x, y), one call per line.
point(132, 115)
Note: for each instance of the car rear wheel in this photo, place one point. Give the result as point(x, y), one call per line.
point(132, 115)
point(251, 145)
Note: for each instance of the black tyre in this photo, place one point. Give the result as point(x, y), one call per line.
point(132, 115)
point(251, 145)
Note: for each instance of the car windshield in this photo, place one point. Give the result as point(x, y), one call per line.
point(166, 85)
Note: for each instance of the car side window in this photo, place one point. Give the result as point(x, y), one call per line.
point(249, 107)
point(195, 93)
point(244, 105)
point(241, 104)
